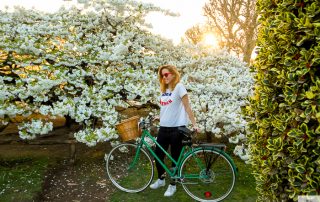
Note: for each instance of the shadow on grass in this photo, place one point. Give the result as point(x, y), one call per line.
point(21, 178)
point(244, 190)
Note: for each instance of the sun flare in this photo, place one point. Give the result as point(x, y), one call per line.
point(211, 39)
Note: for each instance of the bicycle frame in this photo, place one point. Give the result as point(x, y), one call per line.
point(174, 173)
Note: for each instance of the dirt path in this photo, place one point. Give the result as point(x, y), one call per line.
point(85, 180)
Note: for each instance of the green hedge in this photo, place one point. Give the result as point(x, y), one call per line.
point(284, 113)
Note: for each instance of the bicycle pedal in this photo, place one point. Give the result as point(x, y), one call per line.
point(181, 181)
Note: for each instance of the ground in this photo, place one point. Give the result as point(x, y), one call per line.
point(83, 180)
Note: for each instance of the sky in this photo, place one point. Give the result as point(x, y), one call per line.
point(170, 27)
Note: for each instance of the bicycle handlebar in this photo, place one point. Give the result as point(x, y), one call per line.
point(145, 123)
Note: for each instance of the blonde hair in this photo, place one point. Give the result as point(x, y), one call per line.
point(173, 70)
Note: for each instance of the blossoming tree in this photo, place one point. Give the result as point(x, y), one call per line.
point(84, 62)
point(219, 86)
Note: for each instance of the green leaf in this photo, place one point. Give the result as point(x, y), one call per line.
point(317, 131)
point(294, 133)
point(275, 144)
point(305, 38)
point(291, 76)
point(310, 95)
point(293, 166)
point(316, 151)
point(298, 145)
point(304, 127)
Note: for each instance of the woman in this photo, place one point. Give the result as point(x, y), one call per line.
point(174, 112)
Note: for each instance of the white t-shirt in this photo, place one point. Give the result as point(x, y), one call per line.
point(172, 111)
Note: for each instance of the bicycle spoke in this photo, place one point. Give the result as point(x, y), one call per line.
point(210, 158)
point(128, 171)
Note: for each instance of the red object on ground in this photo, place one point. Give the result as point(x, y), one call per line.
point(207, 194)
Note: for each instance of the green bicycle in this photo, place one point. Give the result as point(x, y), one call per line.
point(205, 171)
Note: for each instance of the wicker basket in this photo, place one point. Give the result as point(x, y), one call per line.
point(128, 128)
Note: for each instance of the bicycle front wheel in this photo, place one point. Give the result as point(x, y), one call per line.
point(207, 175)
point(129, 169)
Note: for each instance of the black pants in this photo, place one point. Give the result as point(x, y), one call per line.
point(168, 136)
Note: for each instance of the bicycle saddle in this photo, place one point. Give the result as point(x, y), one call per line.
point(185, 131)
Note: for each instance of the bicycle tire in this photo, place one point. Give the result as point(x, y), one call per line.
point(132, 180)
point(212, 184)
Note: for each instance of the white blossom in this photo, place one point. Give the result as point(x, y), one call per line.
point(87, 61)
point(28, 130)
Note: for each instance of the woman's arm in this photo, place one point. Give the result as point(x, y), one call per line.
point(186, 104)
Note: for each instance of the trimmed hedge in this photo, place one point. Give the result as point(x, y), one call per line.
point(284, 113)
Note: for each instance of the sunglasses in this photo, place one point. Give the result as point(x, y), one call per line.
point(166, 75)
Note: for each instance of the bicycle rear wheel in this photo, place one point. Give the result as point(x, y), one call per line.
point(127, 170)
point(207, 175)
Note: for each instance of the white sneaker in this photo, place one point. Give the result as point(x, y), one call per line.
point(158, 183)
point(171, 190)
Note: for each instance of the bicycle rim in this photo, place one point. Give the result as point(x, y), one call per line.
point(126, 175)
point(207, 175)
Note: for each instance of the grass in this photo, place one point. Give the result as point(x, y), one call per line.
point(21, 178)
point(244, 190)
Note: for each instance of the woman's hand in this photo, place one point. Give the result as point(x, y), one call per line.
point(195, 129)
point(156, 118)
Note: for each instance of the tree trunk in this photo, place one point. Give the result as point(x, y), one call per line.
point(209, 136)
